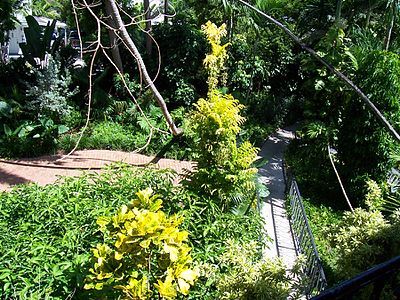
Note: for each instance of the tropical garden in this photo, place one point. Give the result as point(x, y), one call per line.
point(208, 82)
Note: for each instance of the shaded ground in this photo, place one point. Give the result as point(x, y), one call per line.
point(47, 169)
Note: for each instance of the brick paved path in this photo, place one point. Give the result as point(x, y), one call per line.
point(46, 169)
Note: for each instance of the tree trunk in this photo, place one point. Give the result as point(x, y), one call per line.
point(131, 45)
point(147, 15)
point(390, 27)
point(113, 39)
point(338, 11)
point(165, 11)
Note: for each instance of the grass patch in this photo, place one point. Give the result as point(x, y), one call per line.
point(112, 135)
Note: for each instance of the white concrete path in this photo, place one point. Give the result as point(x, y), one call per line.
point(273, 209)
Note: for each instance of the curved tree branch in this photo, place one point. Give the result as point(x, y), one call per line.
point(132, 47)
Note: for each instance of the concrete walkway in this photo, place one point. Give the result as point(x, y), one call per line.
point(273, 208)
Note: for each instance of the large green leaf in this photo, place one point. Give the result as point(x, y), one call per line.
point(62, 129)
point(48, 33)
point(7, 130)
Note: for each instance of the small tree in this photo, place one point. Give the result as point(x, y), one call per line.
point(224, 168)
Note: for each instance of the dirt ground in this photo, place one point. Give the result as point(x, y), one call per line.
point(47, 169)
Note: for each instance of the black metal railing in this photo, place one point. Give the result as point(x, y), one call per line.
point(375, 279)
point(304, 241)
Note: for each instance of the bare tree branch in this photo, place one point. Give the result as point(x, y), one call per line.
point(113, 39)
point(131, 45)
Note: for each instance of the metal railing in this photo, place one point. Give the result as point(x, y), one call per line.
point(304, 241)
point(376, 278)
point(393, 180)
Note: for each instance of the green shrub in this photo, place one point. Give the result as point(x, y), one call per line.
point(209, 240)
point(353, 241)
point(30, 138)
point(250, 277)
point(361, 240)
point(73, 119)
point(321, 218)
point(48, 96)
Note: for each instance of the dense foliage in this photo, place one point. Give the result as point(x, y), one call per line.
point(254, 73)
point(46, 232)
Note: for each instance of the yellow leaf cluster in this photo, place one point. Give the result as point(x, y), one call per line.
point(214, 61)
point(220, 112)
point(144, 244)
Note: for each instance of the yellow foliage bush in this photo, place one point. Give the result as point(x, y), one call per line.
point(224, 168)
point(144, 252)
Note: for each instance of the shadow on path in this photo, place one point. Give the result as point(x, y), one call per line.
point(11, 179)
point(273, 208)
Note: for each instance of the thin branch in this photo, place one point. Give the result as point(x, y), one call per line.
point(78, 29)
point(90, 92)
point(340, 181)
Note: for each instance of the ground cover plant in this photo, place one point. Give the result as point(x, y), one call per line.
point(47, 232)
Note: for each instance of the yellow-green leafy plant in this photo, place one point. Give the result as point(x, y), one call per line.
point(144, 253)
point(374, 198)
point(223, 167)
point(214, 61)
point(358, 241)
point(251, 277)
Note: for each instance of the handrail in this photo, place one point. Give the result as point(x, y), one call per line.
point(378, 276)
point(304, 240)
